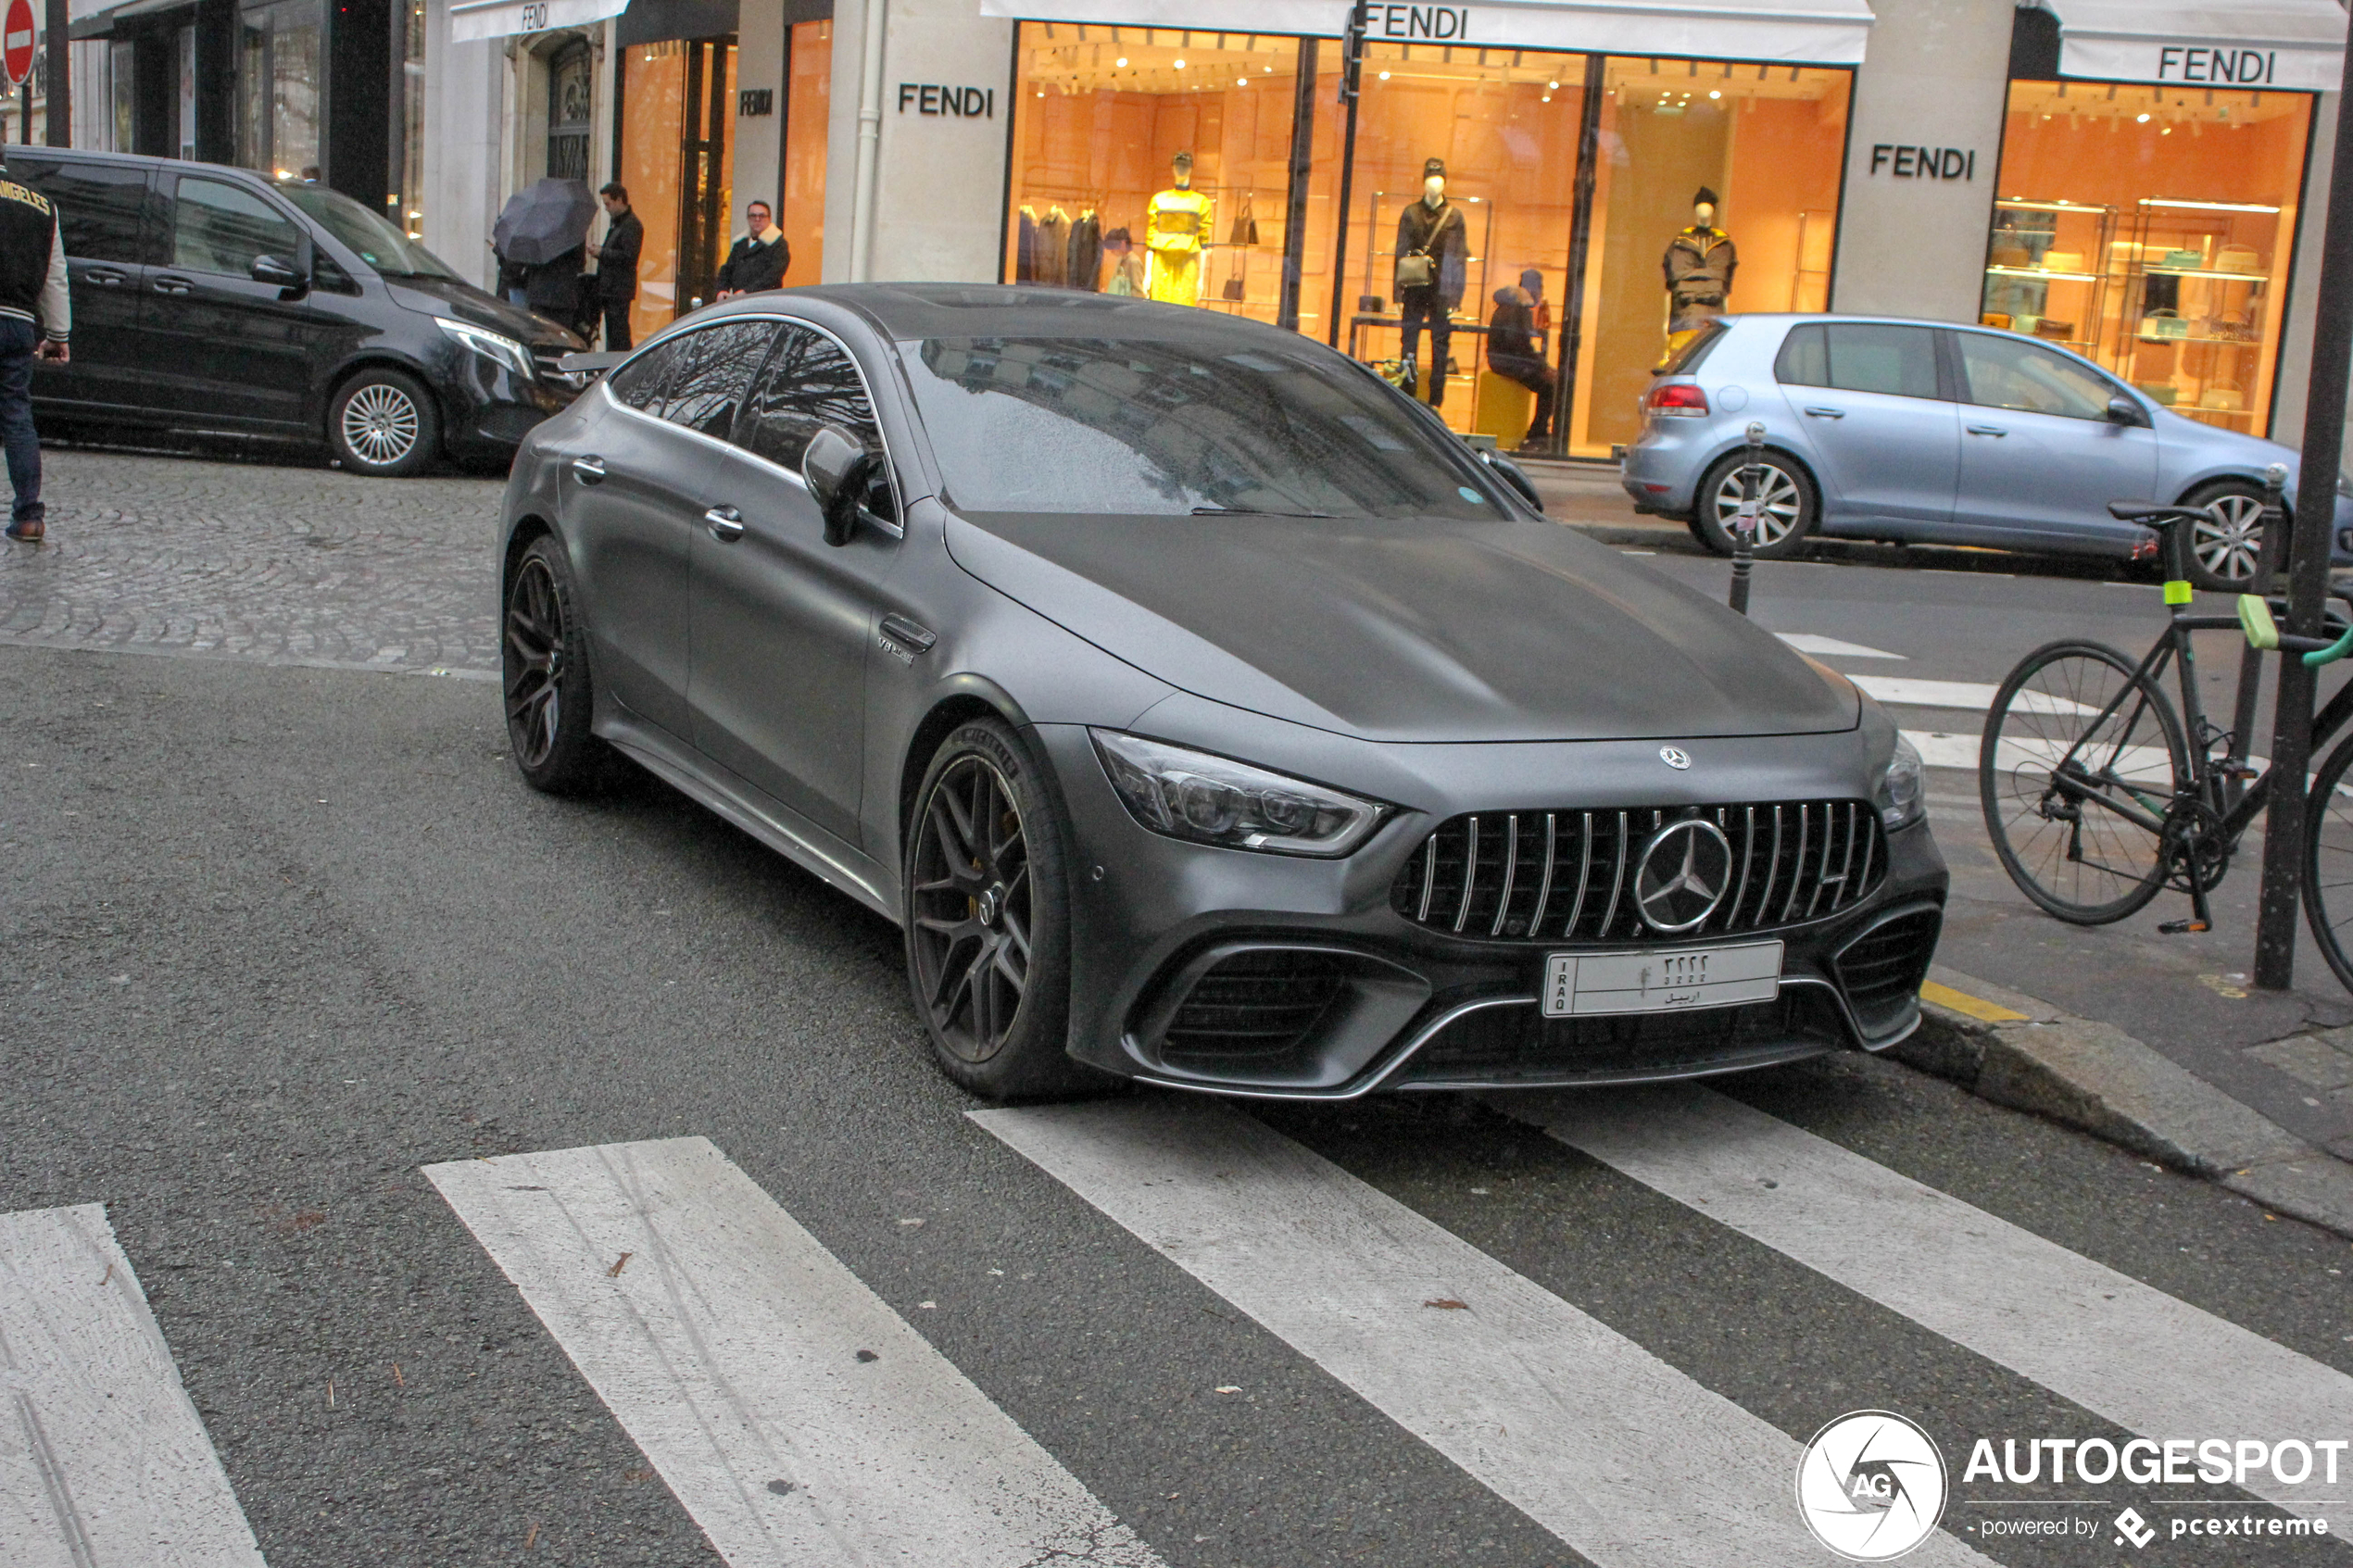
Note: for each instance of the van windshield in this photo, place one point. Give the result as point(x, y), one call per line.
point(380, 245)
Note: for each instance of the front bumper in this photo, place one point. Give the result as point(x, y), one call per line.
point(1281, 976)
point(489, 408)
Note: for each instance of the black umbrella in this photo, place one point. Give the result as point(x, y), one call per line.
point(543, 222)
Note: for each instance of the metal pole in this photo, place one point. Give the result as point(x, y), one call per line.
point(1351, 71)
point(1303, 167)
point(1744, 521)
point(2308, 539)
point(2269, 558)
point(59, 84)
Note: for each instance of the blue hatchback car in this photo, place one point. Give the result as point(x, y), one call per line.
point(1924, 431)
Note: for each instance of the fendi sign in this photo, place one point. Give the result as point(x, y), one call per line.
point(965, 102)
point(1924, 163)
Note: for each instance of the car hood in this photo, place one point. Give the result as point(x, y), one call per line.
point(463, 302)
point(1407, 629)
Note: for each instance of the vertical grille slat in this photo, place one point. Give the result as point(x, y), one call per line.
point(1511, 874)
point(1791, 861)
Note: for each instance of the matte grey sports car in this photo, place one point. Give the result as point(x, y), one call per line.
point(1204, 711)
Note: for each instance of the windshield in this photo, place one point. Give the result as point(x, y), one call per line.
point(1145, 426)
point(380, 245)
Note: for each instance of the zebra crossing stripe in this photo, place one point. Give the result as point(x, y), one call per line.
point(103, 1457)
point(796, 1416)
point(2118, 1348)
point(1625, 1459)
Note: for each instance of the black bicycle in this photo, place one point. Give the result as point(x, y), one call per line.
point(2099, 795)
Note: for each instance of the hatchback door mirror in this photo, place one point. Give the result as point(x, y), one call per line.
point(2124, 411)
point(836, 470)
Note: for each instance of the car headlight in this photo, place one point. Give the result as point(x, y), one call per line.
point(1209, 799)
point(1902, 789)
point(491, 345)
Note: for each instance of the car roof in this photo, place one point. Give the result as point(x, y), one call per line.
point(926, 310)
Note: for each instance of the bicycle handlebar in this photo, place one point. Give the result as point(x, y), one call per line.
point(2263, 633)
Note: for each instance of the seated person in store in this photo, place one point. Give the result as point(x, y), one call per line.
point(1514, 353)
point(759, 259)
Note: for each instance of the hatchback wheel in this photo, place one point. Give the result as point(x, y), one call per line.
point(551, 700)
point(383, 424)
point(989, 917)
point(1786, 506)
point(2225, 549)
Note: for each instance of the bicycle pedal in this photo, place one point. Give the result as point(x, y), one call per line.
point(2183, 927)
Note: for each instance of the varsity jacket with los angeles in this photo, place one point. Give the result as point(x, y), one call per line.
point(32, 261)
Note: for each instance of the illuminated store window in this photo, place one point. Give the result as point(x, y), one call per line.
point(677, 163)
point(1767, 143)
point(1152, 161)
point(2150, 229)
point(808, 102)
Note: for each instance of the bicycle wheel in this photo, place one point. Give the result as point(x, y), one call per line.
point(2328, 861)
point(2081, 759)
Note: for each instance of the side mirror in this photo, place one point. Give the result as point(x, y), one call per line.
point(836, 471)
point(1512, 475)
point(2124, 411)
point(278, 272)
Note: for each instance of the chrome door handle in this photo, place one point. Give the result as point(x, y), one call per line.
point(1987, 429)
point(1825, 413)
point(175, 285)
point(105, 277)
point(588, 470)
point(726, 524)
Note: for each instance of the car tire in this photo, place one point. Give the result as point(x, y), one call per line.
point(2222, 556)
point(1789, 506)
point(549, 694)
point(988, 918)
point(383, 424)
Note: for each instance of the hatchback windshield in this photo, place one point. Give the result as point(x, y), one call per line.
point(1141, 426)
point(380, 245)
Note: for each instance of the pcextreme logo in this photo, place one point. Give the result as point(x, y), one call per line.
point(1870, 1485)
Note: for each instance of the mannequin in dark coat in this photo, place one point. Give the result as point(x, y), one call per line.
point(1432, 227)
point(1514, 352)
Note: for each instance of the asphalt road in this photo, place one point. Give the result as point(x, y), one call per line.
point(281, 937)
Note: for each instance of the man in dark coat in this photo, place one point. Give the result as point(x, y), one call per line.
point(617, 265)
point(37, 319)
point(759, 259)
point(1514, 352)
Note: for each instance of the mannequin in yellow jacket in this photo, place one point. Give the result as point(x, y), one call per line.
point(1175, 228)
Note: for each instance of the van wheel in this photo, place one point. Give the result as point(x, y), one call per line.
point(1788, 506)
point(383, 423)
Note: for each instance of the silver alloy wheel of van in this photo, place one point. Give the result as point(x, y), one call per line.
point(380, 424)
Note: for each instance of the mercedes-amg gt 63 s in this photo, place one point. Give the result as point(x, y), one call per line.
point(1203, 709)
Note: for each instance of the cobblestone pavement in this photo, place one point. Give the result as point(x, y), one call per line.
point(274, 563)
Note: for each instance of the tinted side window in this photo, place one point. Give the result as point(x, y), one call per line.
point(1865, 356)
point(1805, 360)
point(714, 366)
point(810, 381)
point(641, 383)
point(2012, 373)
point(98, 204)
point(216, 227)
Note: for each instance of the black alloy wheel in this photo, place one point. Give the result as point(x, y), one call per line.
point(988, 918)
point(1787, 506)
point(2224, 552)
point(549, 700)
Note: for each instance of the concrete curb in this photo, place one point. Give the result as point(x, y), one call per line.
point(2016, 1050)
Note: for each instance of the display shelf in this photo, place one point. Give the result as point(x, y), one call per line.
point(2027, 231)
point(2045, 275)
point(2205, 272)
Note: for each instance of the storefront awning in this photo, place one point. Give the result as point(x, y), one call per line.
point(1822, 32)
point(472, 20)
point(2291, 43)
point(96, 19)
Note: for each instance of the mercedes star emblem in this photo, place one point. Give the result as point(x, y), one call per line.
point(1685, 870)
point(1674, 757)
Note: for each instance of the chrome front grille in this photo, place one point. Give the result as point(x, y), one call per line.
point(1568, 876)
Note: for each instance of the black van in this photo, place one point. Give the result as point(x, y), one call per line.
point(215, 300)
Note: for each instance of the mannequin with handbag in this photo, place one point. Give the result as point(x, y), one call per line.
point(1433, 255)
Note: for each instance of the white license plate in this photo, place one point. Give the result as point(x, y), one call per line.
point(1661, 979)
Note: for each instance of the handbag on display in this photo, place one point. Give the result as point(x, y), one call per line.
point(2163, 390)
point(1415, 270)
point(2046, 327)
point(1245, 228)
point(2180, 258)
point(2164, 326)
point(2238, 258)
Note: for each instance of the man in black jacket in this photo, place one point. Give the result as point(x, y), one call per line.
point(36, 315)
point(617, 265)
point(757, 261)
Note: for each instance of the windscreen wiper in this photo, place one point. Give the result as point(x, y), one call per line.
point(1250, 512)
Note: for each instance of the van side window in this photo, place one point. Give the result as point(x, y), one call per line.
point(216, 227)
point(99, 205)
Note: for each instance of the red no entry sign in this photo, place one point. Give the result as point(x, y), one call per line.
point(15, 42)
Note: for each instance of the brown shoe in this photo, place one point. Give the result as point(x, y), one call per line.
point(30, 530)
